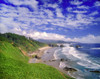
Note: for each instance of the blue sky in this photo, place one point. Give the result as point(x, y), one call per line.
point(69, 20)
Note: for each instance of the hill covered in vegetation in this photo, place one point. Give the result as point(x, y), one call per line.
point(26, 44)
point(14, 63)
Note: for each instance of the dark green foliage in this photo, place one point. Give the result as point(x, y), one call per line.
point(28, 45)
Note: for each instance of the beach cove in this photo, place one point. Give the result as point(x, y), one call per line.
point(71, 61)
point(46, 56)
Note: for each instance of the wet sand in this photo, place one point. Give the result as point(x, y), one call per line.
point(49, 59)
point(46, 55)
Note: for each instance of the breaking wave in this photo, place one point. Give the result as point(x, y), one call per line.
point(75, 55)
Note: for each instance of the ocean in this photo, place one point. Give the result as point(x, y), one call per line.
point(85, 58)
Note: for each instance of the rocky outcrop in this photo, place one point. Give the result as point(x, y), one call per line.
point(61, 59)
point(61, 45)
point(37, 57)
point(96, 71)
point(69, 69)
point(78, 46)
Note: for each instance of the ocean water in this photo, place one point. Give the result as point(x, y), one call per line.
point(85, 59)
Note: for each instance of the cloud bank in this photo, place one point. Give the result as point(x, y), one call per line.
point(30, 18)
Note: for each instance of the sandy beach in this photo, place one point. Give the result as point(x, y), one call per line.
point(39, 53)
point(46, 55)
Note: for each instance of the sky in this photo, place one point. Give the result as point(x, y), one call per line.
point(68, 20)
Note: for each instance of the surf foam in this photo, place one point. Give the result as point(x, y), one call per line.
point(75, 55)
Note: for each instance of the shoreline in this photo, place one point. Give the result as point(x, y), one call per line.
point(39, 53)
point(48, 60)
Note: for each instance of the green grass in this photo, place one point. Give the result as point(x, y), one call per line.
point(14, 65)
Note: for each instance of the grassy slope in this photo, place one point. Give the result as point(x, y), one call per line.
point(14, 65)
point(28, 45)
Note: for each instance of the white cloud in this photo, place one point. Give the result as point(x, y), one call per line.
point(53, 36)
point(69, 9)
point(51, 5)
point(45, 28)
point(87, 39)
point(50, 36)
point(97, 3)
point(71, 22)
point(94, 13)
point(46, 36)
point(3, 28)
point(84, 19)
point(49, 13)
point(21, 20)
point(76, 2)
point(32, 3)
point(22, 17)
point(59, 13)
point(83, 7)
point(60, 1)
point(77, 11)
point(15, 19)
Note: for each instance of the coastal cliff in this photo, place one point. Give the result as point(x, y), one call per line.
point(14, 59)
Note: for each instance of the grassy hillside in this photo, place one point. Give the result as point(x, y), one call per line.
point(26, 44)
point(14, 64)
